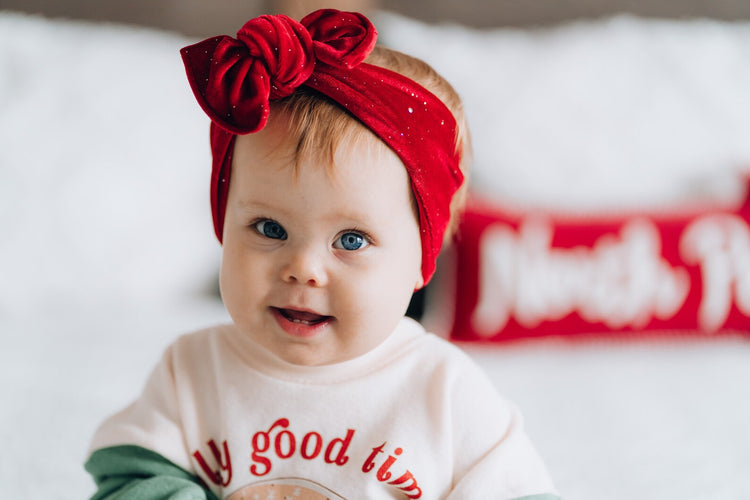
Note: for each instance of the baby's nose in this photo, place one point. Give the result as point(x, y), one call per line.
point(305, 266)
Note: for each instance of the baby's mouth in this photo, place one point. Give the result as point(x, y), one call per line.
point(302, 317)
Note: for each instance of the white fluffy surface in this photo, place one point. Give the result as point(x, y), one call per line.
point(107, 247)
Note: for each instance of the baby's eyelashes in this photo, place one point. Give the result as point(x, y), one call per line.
point(351, 241)
point(270, 229)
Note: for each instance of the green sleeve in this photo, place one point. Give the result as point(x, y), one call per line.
point(135, 473)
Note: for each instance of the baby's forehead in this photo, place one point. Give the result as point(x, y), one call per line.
point(362, 176)
point(350, 154)
point(283, 145)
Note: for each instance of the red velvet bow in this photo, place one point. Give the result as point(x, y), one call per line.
point(234, 80)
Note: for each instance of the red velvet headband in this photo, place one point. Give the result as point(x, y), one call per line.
point(234, 80)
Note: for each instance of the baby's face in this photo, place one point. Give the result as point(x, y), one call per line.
point(318, 266)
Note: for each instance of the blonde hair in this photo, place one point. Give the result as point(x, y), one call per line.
point(319, 125)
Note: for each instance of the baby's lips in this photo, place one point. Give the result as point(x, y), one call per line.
point(303, 316)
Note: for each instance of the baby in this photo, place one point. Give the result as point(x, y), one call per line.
point(346, 164)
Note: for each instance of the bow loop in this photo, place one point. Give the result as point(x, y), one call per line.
point(234, 79)
point(341, 39)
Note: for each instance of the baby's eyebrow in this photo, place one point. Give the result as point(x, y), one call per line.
point(247, 208)
point(360, 220)
point(256, 205)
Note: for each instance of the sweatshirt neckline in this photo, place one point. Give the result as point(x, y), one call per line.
point(260, 359)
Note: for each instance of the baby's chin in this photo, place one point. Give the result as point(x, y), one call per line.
point(321, 352)
point(306, 355)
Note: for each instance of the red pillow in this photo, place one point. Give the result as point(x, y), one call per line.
point(524, 275)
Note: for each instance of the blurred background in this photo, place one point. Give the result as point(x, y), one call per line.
point(577, 107)
point(202, 19)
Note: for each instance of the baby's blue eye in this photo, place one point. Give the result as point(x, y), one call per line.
point(270, 229)
point(351, 241)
